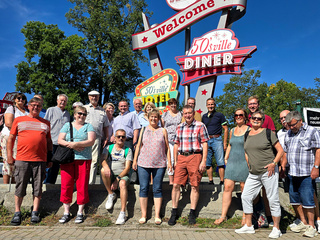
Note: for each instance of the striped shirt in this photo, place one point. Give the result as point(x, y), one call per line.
point(301, 150)
point(190, 137)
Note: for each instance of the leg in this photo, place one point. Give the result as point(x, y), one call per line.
point(194, 197)
point(309, 212)
point(36, 203)
point(123, 195)
point(226, 200)
point(210, 173)
point(95, 160)
point(82, 173)
point(17, 203)
point(175, 195)
point(243, 222)
point(219, 155)
point(316, 209)
point(144, 179)
point(158, 174)
point(170, 174)
point(67, 182)
point(106, 181)
point(209, 160)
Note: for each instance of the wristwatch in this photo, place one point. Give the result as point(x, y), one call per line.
point(119, 178)
point(315, 166)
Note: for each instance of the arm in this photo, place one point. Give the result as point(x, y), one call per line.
point(106, 134)
point(10, 144)
point(226, 157)
point(225, 136)
point(8, 120)
point(82, 144)
point(136, 153)
point(271, 166)
point(247, 159)
point(135, 135)
point(104, 164)
point(165, 134)
point(315, 172)
point(175, 153)
point(49, 151)
point(162, 122)
point(202, 166)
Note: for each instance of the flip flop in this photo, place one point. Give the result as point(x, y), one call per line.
point(157, 221)
point(142, 220)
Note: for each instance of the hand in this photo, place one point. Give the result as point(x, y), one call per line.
point(225, 145)
point(202, 167)
point(112, 139)
point(10, 160)
point(79, 149)
point(225, 161)
point(114, 185)
point(134, 165)
point(49, 164)
point(314, 173)
point(270, 167)
point(282, 172)
point(170, 168)
point(105, 143)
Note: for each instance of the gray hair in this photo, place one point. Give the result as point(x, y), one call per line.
point(62, 95)
point(121, 130)
point(259, 112)
point(293, 115)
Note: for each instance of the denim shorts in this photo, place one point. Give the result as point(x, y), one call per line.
point(301, 191)
point(215, 146)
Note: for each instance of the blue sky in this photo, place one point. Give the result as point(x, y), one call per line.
point(286, 35)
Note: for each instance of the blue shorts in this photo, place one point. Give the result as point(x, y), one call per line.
point(215, 146)
point(301, 191)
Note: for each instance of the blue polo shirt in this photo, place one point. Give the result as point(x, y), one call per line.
point(214, 122)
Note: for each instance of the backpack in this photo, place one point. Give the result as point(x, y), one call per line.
point(268, 133)
point(126, 150)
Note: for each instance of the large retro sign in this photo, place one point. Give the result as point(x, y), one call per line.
point(159, 89)
point(183, 19)
point(215, 53)
point(180, 4)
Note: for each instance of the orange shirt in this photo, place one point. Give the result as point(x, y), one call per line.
point(32, 138)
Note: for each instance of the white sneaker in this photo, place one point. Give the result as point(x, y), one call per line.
point(310, 232)
point(245, 229)
point(300, 227)
point(121, 219)
point(110, 200)
point(318, 225)
point(276, 233)
point(295, 223)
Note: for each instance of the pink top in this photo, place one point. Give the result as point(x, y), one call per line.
point(153, 151)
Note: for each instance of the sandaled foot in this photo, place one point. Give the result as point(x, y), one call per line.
point(142, 220)
point(157, 221)
point(220, 220)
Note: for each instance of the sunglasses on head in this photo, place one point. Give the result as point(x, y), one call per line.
point(120, 136)
point(256, 118)
point(238, 115)
point(80, 114)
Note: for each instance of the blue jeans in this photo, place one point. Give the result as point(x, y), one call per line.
point(145, 177)
point(215, 145)
point(301, 190)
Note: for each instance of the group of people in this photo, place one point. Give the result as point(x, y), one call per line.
point(179, 143)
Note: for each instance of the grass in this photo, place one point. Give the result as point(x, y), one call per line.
point(102, 222)
point(231, 223)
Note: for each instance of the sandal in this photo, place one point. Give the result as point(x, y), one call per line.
point(220, 220)
point(142, 220)
point(157, 221)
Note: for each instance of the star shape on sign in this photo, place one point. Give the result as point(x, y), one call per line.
point(199, 111)
point(145, 39)
point(204, 92)
point(155, 64)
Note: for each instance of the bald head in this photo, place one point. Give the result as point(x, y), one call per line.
point(282, 117)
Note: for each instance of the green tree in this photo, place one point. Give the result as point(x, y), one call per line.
point(108, 27)
point(54, 64)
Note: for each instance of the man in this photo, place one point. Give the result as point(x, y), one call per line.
point(192, 102)
point(34, 140)
point(137, 104)
point(43, 111)
point(97, 117)
point(253, 105)
point(57, 116)
point(302, 146)
point(215, 122)
point(190, 154)
point(129, 122)
point(116, 164)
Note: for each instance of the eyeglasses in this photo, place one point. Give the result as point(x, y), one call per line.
point(250, 104)
point(256, 118)
point(120, 136)
point(35, 105)
point(292, 125)
point(238, 115)
point(21, 98)
point(80, 114)
point(282, 118)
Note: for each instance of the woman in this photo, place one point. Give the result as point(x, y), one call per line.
point(143, 118)
point(151, 158)
point(236, 164)
point(170, 120)
point(263, 171)
point(109, 108)
point(79, 170)
point(18, 109)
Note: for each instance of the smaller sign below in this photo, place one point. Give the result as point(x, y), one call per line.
point(159, 89)
point(215, 53)
point(180, 4)
point(312, 117)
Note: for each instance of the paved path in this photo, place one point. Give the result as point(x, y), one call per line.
point(132, 232)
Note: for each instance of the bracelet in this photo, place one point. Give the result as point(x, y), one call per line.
point(275, 163)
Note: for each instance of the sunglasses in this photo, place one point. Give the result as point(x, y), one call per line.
point(120, 136)
point(80, 114)
point(292, 125)
point(238, 115)
point(21, 98)
point(35, 105)
point(256, 118)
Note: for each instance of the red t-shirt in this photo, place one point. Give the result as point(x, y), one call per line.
point(32, 138)
point(268, 123)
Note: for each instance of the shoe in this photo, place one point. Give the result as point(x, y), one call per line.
point(35, 217)
point(157, 221)
point(173, 219)
point(65, 218)
point(16, 219)
point(221, 183)
point(121, 219)
point(192, 219)
point(300, 227)
point(276, 233)
point(142, 220)
point(295, 223)
point(318, 225)
point(110, 200)
point(211, 182)
point(245, 229)
point(79, 218)
point(310, 232)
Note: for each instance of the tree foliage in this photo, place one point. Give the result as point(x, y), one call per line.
point(107, 27)
point(54, 63)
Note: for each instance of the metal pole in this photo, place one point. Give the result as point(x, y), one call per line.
point(187, 47)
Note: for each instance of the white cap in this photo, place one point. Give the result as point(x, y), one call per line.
point(77, 104)
point(93, 93)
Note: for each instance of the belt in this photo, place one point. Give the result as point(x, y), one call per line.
point(214, 136)
point(189, 153)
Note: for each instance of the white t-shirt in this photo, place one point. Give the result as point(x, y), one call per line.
point(17, 113)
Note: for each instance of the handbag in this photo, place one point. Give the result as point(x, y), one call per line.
point(64, 155)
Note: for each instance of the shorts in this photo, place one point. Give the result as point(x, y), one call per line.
point(114, 177)
point(7, 169)
point(188, 166)
point(215, 146)
point(26, 170)
point(301, 191)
